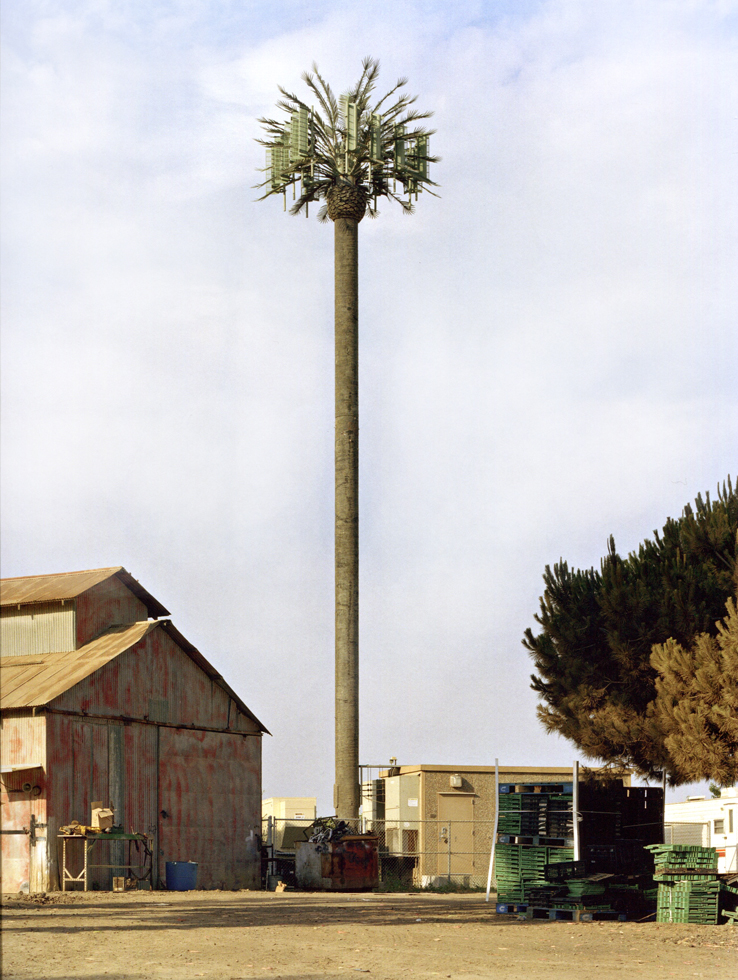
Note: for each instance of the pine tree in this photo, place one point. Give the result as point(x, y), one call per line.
point(696, 703)
point(593, 656)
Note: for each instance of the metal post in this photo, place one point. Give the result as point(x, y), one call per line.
point(575, 808)
point(448, 838)
point(494, 829)
point(346, 793)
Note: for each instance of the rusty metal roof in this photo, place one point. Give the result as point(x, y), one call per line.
point(69, 585)
point(36, 679)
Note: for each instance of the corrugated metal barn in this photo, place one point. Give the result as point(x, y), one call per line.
point(103, 701)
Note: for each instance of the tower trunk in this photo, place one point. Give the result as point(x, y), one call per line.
point(347, 790)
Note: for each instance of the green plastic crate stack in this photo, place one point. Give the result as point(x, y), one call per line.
point(688, 887)
point(529, 811)
point(695, 902)
point(519, 867)
point(558, 854)
point(683, 859)
point(509, 810)
point(585, 894)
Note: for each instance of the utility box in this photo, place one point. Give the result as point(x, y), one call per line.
point(402, 813)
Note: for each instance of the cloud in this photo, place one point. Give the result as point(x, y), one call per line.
point(547, 351)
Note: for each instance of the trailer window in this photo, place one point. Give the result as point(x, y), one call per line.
point(730, 821)
point(719, 826)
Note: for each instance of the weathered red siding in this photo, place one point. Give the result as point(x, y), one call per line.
point(208, 785)
point(141, 747)
point(156, 670)
point(23, 743)
point(60, 769)
point(210, 791)
point(106, 604)
point(80, 774)
point(149, 732)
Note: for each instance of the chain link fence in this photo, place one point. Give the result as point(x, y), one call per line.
point(433, 853)
point(412, 853)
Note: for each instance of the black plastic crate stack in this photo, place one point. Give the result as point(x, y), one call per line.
point(613, 877)
point(534, 830)
point(689, 889)
point(617, 823)
point(607, 895)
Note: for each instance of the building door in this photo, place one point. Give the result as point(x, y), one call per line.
point(23, 832)
point(456, 834)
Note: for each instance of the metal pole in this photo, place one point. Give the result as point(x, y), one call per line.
point(494, 829)
point(346, 793)
point(448, 839)
point(575, 808)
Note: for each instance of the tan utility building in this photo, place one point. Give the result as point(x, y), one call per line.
point(289, 808)
point(438, 821)
point(284, 819)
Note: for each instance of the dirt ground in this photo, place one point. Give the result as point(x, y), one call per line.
point(296, 936)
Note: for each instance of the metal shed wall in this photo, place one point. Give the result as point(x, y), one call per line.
point(103, 760)
point(196, 793)
point(150, 733)
point(155, 681)
point(210, 791)
point(106, 604)
point(43, 627)
point(23, 742)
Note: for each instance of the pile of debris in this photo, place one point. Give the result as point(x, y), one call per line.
point(329, 829)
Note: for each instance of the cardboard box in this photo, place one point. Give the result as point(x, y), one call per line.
point(102, 817)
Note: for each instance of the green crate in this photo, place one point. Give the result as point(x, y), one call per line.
point(691, 902)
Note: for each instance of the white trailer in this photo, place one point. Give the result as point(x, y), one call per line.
point(709, 822)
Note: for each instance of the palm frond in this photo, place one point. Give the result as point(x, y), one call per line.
point(365, 159)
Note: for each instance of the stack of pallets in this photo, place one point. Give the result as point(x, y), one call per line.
point(688, 886)
point(534, 827)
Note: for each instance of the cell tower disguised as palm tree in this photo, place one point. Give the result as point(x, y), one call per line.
point(347, 153)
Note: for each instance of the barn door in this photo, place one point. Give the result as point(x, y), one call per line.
point(23, 839)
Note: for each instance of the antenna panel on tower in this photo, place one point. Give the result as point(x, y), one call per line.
point(299, 134)
point(375, 132)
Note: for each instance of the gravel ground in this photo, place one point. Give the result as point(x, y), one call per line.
point(296, 936)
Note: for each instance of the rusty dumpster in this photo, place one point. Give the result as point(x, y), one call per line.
point(349, 864)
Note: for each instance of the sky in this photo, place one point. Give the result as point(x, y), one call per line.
point(548, 351)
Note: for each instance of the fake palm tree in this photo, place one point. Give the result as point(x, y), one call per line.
point(347, 153)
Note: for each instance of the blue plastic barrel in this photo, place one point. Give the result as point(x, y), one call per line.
point(181, 876)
